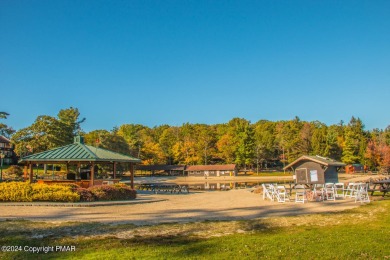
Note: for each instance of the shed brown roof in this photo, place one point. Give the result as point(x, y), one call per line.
point(318, 159)
point(219, 167)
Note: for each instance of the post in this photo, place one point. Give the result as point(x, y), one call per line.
point(67, 171)
point(31, 172)
point(25, 173)
point(114, 170)
point(132, 175)
point(78, 173)
point(92, 175)
point(284, 162)
point(1, 166)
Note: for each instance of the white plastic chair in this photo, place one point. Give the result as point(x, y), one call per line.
point(362, 193)
point(280, 192)
point(330, 191)
point(318, 192)
point(339, 190)
point(300, 194)
point(349, 191)
point(268, 192)
point(355, 189)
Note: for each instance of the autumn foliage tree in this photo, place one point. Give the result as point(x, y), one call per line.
point(377, 152)
point(238, 141)
point(4, 129)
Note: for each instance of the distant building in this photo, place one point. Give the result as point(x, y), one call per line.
point(159, 169)
point(212, 170)
point(315, 170)
point(352, 168)
point(7, 150)
point(190, 170)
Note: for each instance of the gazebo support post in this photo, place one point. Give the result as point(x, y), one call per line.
point(132, 175)
point(25, 173)
point(92, 174)
point(31, 172)
point(114, 170)
point(78, 173)
point(67, 170)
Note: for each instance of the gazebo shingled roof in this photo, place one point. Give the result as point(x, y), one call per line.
point(78, 152)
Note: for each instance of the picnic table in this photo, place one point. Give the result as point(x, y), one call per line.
point(166, 187)
point(380, 186)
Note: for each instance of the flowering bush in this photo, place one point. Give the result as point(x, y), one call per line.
point(85, 194)
point(113, 192)
point(25, 192)
point(72, 186)
point(44, 192)
point(15, 191)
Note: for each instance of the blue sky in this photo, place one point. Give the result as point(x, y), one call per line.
point(171, 62)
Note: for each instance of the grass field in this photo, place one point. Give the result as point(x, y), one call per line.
point(362, 233)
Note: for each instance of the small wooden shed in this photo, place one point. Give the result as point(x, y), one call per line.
point(315, 170)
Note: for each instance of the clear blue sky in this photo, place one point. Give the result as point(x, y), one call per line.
point(171, 62)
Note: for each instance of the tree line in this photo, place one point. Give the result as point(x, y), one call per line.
point(250, 145)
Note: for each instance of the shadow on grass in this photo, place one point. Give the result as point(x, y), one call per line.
point(181, 242)
point(175, 246)
point(161, 240)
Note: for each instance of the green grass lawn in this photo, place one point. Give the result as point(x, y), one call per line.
point(362, 233)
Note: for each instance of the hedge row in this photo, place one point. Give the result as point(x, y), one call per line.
point(26, 192)
point(109, 192)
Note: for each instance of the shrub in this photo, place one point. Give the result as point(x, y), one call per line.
point(25, 192)
point(15, 191)
point(72, 186)
point(44, 192)
point(113, 192)
point(85, 194)
point(125, 192)
point(102, 192)
point(13, 172)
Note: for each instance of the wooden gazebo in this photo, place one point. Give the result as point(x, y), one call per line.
point(76, 154)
